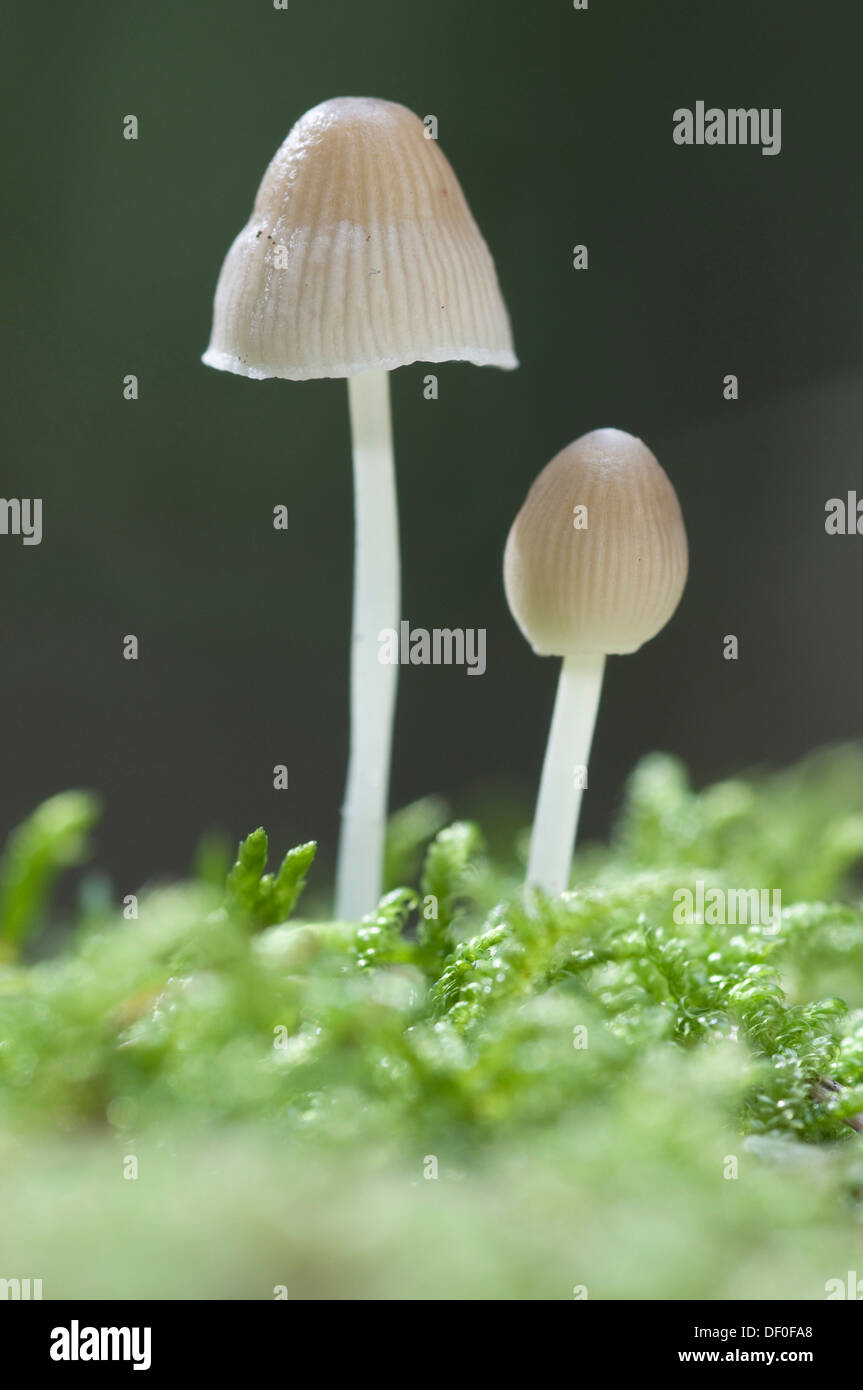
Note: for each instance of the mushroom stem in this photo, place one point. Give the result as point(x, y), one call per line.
point(568, 749)
point(373, 684)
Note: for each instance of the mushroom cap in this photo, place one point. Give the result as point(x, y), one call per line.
point(361, 253)
point(611, 586)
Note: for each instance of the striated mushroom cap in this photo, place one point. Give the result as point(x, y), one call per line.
point(361, 253)
point(613, 585)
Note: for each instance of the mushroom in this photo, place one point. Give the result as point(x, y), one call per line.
point(595, 565)
point(361, 255)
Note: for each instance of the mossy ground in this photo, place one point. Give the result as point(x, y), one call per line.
point(612, 1099)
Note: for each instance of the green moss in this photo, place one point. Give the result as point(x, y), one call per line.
point(613, 1094)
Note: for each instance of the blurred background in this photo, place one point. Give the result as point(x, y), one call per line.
point(158, 512)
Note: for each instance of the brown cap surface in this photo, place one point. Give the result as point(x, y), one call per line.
point(614, 584)
point(361, 253)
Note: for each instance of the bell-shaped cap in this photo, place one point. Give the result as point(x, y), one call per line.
point(361, 254)
point(596, 560)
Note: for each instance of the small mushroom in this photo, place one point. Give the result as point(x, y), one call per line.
point(361, 255)
point(595, 565)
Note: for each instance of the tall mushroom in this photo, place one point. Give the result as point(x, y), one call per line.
point(595, 564)
point(361, 255)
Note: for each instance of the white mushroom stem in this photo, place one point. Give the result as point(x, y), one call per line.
point(373, 685)
point(564, 772)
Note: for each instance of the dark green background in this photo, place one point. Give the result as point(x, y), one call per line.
point(158, 512)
